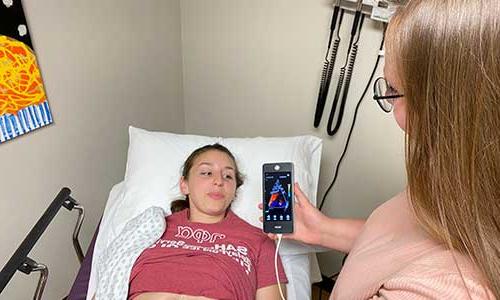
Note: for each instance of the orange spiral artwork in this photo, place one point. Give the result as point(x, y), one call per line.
point(20, 81)
point(23, 103)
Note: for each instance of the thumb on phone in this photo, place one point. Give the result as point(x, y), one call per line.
point(300, 198)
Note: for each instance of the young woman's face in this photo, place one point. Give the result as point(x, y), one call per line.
point(211, 186)
point(391, 75)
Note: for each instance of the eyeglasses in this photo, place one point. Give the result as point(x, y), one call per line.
point(384, 93)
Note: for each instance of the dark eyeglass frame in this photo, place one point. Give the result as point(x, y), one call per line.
point(379, 99)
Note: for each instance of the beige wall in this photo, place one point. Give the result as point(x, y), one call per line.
point(248, 68)
point(253, 68)
point(106, 64)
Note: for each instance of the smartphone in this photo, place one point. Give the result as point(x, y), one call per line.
point(278, 197)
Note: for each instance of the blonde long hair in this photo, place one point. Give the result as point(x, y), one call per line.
point(447, 55)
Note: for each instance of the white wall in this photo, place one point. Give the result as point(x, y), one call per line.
point(252, 67)
point(106, 64)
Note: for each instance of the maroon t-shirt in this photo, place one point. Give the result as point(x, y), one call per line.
point(227, 260)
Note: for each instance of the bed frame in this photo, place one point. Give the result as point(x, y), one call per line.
point(20, 260)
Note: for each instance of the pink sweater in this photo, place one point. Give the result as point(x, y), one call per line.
point(393, 258)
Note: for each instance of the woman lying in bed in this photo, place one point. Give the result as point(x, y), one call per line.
point(206, 251)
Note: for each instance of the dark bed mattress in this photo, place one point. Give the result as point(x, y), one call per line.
point(81, 284)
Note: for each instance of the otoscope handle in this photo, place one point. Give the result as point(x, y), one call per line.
point(333, 57)
point(345, 92)
point(326, 79)
point(335, 101)
point(354, 28)
point(320, 104)
point(334, 23)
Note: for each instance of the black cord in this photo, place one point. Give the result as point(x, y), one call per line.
point(353, 123)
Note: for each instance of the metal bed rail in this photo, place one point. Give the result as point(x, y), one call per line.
point(20, 260)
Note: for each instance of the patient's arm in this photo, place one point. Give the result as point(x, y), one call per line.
point(270, 292)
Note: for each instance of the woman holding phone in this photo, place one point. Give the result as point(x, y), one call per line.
point(440, 237)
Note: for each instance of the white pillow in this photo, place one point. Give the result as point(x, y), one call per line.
point(154, 167)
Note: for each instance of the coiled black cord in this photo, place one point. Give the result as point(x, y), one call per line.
point(353, 123)
point(345, 73)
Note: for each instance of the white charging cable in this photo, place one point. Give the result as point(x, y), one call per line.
point(279, 235)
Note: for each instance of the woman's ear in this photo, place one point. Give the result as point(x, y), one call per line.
point(184, 186)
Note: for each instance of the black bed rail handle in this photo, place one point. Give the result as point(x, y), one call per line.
point(20, 256)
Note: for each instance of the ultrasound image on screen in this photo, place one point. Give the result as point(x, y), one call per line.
point(278, 196)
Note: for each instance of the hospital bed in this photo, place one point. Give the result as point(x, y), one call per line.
point(151, 152)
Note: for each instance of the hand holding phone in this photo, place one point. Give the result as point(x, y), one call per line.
point(278, 197)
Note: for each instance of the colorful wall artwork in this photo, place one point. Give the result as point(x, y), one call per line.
point(23, 102)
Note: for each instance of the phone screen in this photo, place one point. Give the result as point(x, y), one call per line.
point(278, 193)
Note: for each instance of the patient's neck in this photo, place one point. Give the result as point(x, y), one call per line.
point(199, 217)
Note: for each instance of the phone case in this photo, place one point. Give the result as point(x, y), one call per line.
point(277, 197)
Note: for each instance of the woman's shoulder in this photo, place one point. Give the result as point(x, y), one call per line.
point(390, 221)
point(442, 274)
point(395, 204)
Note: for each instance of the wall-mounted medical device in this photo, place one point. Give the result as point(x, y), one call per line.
point(376, 10)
